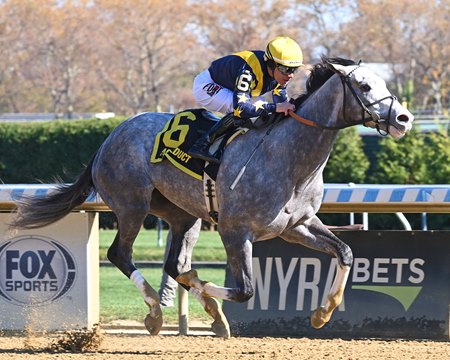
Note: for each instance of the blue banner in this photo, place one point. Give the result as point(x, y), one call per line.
point(399, 287)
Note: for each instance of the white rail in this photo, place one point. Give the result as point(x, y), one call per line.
point(337, 198)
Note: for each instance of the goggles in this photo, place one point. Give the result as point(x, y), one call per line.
point(286, 70)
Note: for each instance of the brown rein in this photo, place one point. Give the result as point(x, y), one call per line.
point(312, 123)
point(302, 119)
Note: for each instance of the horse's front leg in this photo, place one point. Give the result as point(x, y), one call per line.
point(315, 235)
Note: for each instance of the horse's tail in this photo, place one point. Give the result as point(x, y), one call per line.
point(35, 212)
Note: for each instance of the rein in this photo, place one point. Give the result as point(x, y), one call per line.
point(364, 109)
point(313, 123)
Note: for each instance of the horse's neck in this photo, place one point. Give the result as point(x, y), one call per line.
point(325, 105)
point(311, 146)
point(325, 108)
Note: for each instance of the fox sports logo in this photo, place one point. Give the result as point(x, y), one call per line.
point(35, 270)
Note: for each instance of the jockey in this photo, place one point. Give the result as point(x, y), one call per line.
point(229, 83)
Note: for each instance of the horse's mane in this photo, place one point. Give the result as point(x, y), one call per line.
point(320, 73)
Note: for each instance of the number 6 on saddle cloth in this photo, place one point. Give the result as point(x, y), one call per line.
point(180, 133)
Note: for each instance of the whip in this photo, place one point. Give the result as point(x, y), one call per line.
point(241, 172)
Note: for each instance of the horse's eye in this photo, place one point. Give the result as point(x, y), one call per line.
point(365, 88)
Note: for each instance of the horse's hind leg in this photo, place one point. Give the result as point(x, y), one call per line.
point(315, 235)
point(120, 254)
point(179, 260)
point(185, 230)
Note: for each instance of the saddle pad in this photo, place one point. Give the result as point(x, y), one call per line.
point(177, 137)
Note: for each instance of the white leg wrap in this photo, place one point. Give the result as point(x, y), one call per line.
point(341, 278)
point(139, 281)
point(339, 283)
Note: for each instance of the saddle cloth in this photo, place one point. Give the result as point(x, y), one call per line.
point(177, 137)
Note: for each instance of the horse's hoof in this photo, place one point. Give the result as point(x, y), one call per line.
point(320, 317)
point(153, 321)
point(220, 326)
point(187, 277)
point(221, 329)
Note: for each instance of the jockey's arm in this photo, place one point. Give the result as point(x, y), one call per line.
point(245, 109)
point(280, 98)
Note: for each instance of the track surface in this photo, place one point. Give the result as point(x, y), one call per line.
point(168, 347)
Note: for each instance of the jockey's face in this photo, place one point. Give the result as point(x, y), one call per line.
point(282, 78)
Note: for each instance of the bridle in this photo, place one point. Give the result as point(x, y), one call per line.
point(375, 117)
point(365, 109)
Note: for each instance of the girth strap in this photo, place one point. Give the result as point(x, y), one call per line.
point(209, 191)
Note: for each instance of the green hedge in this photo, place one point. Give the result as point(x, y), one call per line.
point(40, 151)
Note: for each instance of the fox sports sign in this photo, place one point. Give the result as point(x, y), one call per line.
point(35, 270)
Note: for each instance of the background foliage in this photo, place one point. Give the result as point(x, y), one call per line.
point(348, 162)
point(74, 56)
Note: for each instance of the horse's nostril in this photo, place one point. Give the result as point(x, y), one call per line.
point(403, 118)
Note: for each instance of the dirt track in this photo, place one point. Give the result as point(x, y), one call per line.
point(168, 347)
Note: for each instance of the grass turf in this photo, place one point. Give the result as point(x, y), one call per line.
point(119, 298)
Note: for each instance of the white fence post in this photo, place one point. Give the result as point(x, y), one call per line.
point(183, 311)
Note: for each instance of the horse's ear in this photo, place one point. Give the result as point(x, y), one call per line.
point(341, 69)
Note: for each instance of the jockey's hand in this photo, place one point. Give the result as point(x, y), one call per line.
point(284, 107)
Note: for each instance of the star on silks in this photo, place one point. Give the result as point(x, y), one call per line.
point(277, 90)
point(242, 98)
point(260, 104)
point(237, 112)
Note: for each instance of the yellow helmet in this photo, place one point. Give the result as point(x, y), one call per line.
point(284, 51)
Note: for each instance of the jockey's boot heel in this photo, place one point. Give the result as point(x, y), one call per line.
point(200, 150)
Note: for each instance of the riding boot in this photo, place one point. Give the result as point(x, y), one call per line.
point(200, 149)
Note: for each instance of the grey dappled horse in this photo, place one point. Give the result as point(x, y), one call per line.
point(278, 195)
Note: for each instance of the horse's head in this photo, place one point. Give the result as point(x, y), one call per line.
point(366, 94)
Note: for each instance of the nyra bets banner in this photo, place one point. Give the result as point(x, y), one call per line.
point(398, 287)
